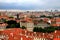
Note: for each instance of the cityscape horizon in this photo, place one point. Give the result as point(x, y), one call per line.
point(29, 20)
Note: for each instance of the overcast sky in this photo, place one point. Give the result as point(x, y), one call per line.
point(30, 4)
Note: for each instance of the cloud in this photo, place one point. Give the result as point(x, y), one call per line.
point(20, 2)
point(30, 4)
point(7, 1)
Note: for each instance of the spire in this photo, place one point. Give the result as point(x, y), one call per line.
point(17, 16)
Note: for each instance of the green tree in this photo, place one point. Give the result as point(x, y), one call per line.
point(40, 29)
point(17, 25)
point(2, 20)
point(35, 29)
point(23, 27)
point(45, 30)
point(12, 24)
point(49, 17)
point(59, 15)
point(40, 21)
point(42, 16)
point(11, 17)
point(32, 16)
point(50, 29)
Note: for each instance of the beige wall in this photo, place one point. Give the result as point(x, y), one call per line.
point(28, 25)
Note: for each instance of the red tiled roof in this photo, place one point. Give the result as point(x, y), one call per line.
point(45, 19)
point(17, 31)
point(56, 39)
point(56, 19)
point(55, 24)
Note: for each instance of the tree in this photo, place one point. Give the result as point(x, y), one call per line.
point(59, 15)
point(57, 28)
point(49, 17)
point(35, 29)
point(40, 29)
point(11, 17)
point(2, 20)
point(40, 21)
point(32, 16)
point(42, 16)
point(12, 24)
point(23, 27)
point(18, 25)
point(50, 29)
point(45, 30)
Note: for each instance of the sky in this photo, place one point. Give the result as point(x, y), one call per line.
point(30, 4)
